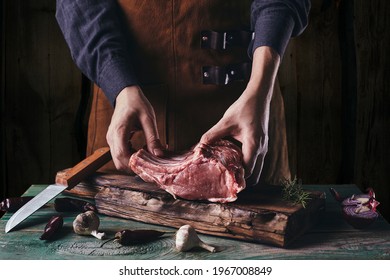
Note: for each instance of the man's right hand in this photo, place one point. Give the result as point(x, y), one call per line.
point(132, 112)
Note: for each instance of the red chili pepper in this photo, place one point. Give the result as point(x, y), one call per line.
point(53, 226)
point(13, 204)
point(67, 204)
point(128, 237)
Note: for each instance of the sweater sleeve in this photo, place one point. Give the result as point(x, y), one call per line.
point(276, 21)
point(96, 37)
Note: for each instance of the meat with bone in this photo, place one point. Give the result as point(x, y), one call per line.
point(212, 172)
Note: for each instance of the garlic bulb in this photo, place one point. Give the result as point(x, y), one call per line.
point(87, 224)
point(187, 238)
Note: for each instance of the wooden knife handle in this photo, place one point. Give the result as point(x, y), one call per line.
point(83, 169)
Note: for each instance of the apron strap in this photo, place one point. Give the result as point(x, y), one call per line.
point(225, 39)
point(223, 75)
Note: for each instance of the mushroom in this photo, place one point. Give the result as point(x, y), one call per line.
point(187, 238)
point(87, 224)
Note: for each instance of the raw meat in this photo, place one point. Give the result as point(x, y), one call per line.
point(207, 172)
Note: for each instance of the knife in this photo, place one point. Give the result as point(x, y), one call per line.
point(68, 180)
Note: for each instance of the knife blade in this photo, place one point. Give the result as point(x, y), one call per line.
point(68, 180)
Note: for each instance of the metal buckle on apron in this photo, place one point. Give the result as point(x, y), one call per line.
point(223, 75)
point(225, 39)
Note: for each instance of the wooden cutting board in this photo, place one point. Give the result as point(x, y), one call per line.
point(259, 214)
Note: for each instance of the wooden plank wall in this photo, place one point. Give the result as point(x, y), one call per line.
point(310, 80)
point(336, 91)
point(3, 182)
point(372, 164)
point(333, 78)
point(41, 96)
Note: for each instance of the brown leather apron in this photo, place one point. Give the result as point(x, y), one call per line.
point(168, 58)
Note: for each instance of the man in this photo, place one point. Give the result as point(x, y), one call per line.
point(124, 47)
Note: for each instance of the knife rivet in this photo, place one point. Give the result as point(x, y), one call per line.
point(206, 74)
point(205, 38)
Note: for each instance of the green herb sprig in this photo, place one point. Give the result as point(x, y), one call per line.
point(293, 192)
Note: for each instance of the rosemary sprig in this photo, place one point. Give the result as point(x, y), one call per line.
point(293, 192)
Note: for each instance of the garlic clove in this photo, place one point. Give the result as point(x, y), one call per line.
point(208, 247)
point(186, 239)
point(87, 224)
point(98, 235)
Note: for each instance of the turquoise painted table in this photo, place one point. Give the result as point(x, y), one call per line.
point(332, 238)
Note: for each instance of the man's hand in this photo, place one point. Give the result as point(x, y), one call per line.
point(246, 120)
point(132, 112)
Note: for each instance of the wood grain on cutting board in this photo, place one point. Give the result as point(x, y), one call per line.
point(259, 214)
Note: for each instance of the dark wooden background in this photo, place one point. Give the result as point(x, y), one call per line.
point(334, 78)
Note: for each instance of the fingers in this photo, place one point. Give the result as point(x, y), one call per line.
point(254, 178)
point(215, 133)
point(120, 149)
point(118, 138)
point(132, 112)
point(253, 157)
point(151, 135)
point(250, 152)
point(253, 150)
